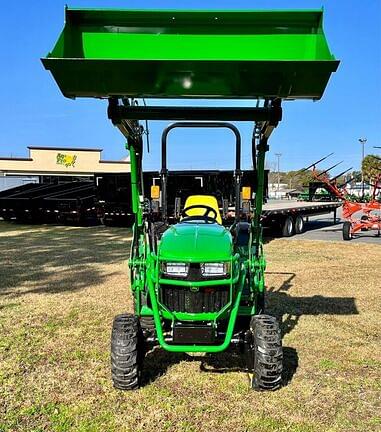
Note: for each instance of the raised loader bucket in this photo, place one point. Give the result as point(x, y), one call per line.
point(192, 54)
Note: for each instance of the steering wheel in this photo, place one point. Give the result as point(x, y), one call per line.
point(210, 214)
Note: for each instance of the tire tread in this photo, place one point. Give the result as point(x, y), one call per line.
point(267, 351)
point(126, 352)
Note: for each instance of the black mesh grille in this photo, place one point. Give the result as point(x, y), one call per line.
point(183, 299)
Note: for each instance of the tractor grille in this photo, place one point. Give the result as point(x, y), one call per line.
point(183, 299)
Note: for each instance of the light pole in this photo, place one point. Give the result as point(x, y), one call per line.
point(278, 155)
point(362, 141)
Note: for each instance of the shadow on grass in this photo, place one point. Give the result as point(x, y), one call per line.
point(157, 362)
point(46, 259)
point(281, 304)
point(288, 309)
point(235, 361)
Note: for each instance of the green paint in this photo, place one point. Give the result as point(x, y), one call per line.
point(195, 348)
point(193, 54)
point(129, 46)
point(196, 243)
point(190, 54)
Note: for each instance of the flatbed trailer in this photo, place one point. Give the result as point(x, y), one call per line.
point(289, 217)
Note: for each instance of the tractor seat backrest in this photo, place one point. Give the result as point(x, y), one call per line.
point(207, 200)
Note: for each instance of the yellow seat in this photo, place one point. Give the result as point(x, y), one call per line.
point(206, 200)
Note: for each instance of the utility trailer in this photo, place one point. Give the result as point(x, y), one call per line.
point(75, 206)
point(27, 205)
point(47, 203)
point(113, 197)
point(7, 212)
point(197, 285)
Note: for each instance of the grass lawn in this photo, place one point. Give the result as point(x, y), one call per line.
point(60, 288)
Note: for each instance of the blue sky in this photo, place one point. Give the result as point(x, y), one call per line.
point(34, 112)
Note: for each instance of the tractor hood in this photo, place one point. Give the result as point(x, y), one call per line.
point(193, 242)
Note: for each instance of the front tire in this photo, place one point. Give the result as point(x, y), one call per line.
point(267, 353)
point(127, 352)
point(347, 231)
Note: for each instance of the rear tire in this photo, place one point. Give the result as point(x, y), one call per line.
point(347, 231)
point(267, 353)
point(288, 227)
point(299, 225)
point(127, 352)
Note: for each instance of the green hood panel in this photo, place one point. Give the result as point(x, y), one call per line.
point(190, 242)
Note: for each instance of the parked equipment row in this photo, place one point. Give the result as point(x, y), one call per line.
point(108, 199)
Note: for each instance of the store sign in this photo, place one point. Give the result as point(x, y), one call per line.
point(66, 159)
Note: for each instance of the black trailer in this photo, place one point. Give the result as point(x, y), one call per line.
point(7, 212)
point(42, 203)
point(74, 206)
point(113, 199)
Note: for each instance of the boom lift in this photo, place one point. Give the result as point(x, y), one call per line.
point(197, 280)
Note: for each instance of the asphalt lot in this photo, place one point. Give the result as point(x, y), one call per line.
point(322, 228)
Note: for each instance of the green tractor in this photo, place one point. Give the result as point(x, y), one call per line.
point(197, 274)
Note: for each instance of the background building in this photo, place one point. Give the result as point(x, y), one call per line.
point(56, 165)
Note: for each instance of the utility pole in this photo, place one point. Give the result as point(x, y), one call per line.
point(278, 155)
point(362, 141)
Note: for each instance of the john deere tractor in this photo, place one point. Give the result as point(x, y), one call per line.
point(197, 267)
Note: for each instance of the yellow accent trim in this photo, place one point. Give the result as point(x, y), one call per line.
point(246, 193)
point(155, 192)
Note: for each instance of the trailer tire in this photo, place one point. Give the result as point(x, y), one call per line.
point(60, 219)
point(127, 352)
point(288, 227)
point(266, 352)
point(299, 224)
point(347, 228)
point(106, 222)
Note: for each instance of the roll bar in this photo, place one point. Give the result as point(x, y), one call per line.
point(164, 170)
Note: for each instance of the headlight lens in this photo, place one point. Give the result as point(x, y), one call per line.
point(215, 269)
point(176, 269)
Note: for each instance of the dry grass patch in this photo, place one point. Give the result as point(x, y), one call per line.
point(60, 288)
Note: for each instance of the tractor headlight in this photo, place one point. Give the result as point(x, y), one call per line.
point(176, 269)
point(215, 269)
